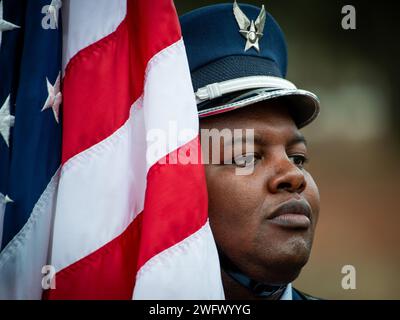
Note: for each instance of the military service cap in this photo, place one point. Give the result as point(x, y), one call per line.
point(237, 57)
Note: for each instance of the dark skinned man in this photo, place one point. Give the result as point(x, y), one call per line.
point(263, 221)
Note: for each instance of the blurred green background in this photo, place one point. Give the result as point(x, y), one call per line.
point(355, 143)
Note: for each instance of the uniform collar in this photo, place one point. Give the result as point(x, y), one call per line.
point(287, 294)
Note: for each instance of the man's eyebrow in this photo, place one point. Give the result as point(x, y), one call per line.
point(297, 138)
point(260, 140)
point(257, 140)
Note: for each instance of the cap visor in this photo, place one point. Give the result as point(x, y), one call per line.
point(303, 105)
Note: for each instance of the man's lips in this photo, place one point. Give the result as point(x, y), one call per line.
point(293, 214)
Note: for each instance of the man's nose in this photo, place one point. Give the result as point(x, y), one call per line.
point(287, 177)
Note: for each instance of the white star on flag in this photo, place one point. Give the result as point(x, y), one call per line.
point(54, 98)
point(5, 25)
point(7, 199)
point(54, 6)
point(6, 121)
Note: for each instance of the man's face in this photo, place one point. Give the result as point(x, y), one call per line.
point(264, 221)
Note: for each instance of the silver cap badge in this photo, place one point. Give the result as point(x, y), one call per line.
point(250, 30)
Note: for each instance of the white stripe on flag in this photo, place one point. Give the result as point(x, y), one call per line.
point(21, 261)
point(91, 21)
point(188, 270)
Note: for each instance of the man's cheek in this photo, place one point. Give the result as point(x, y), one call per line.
point(312, 195)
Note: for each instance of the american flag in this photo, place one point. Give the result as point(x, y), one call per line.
point(111, 217)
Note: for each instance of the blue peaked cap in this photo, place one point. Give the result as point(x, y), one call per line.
point(216, 54)
point(211, 33)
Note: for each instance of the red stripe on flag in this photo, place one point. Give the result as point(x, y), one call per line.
point(108, 273)
point(176, 204)
point(169, 217)
point(103, 80)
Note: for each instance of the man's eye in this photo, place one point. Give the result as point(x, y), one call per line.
point(299, 160)
point(246, 160)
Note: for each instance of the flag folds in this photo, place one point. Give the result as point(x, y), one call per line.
point(125, 218)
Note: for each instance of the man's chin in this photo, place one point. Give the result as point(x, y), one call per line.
point(284, 268)
point(280, 276)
